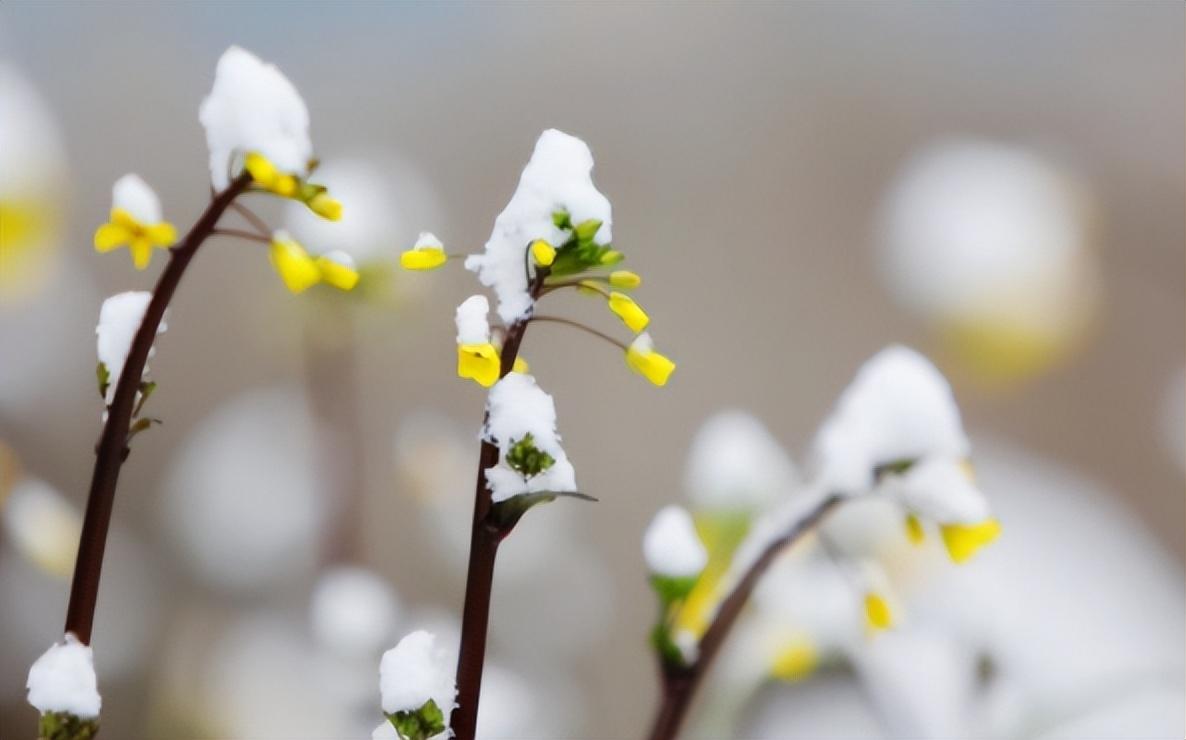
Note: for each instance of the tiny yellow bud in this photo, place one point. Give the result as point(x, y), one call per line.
point(478, 362)
point(543, 253)
point(341, 276)
point(423, 258)
point(262, 171)
point(624, 279)
point(630, 312)
point(296, 268)
point(326, 206)
point(796, 661)
point(612, 257)
point(650, 364)
point(520, 366)
point(964, 540)
point(877, 612)
point(914, 531)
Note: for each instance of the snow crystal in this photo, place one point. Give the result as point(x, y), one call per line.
point(414, 671)
point(558, 178)
point(63, 680)
point(515, 408)
point(671, 546)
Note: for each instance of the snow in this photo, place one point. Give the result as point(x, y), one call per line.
point(671, 546)
point(735, 464)
point(473, 326)
point(353, 610)
point(119, 319)
point(63, 680)
point(558, 177)
point(941, 490)
point(898, 407)
point(133, 195)
point(515, 408)
point(414, 671)
point(254, 108)
point(428, 240)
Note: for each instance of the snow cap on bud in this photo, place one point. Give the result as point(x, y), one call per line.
point(671, 546)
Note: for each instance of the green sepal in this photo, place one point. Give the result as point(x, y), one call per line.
point(527, 459)
point(146, 389)
point(140, 425)
point(103, 375)
point(586, 230)
point(671, 590)
point(893, 467)
point(668, 651)
point(421, 724)
point(307, 191)
point(562, 220)
point(65, 726)
point(504, 515)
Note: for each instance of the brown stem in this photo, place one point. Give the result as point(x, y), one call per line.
point(680, 682)
point(483, 548)
point(112, 449)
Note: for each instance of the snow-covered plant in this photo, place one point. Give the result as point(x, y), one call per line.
point(417, 688)
point(257, 129)
point(895, 434)
point(554, 234)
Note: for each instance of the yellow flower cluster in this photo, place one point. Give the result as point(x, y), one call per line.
point(300, 271)
point(267, 177)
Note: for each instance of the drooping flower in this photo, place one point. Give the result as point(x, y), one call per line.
point(628, 311)
point(136, 222)
point(300, 271)
point(477, 357)
point(427, 254)
point(642, 358)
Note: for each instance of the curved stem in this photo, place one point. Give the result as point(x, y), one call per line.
point(578, 325)
point(241, 234)
point(112, 449)
point(256, 222)
point(485, 537)
point(681, 681)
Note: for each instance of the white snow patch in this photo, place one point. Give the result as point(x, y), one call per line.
point(671, 546)
point(515, 408)
point(119, 319)
point(941, 490)
point(135, 196)
point(734, 463)
point(414, 671)
point(473, 324)
point(63, 680)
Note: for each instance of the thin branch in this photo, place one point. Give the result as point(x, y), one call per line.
point(578, 325)
point(681, 681)
point(112, 449)
point(253, 219)
point(238, 233)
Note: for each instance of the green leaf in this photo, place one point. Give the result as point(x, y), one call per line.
point(586, 230)
point(420, 724)
point(146, 389)
point(562, 220)
point(140, 425)
point(65, 726)
point(103, 375)
point(528, 459)
point(504, 515)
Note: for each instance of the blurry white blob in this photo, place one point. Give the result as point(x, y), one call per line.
point(254, 108)
point(989, 242)
point(671, 547)
point(243, 500)
point(32, 187)
point(353, 610)
point(735, 464)
point(380, 194)
point(63, 680)
point(415, 672)
point(831, 707)
point(135, 196)
point(559, 177)
point(473, 320)
point(42, 526)
point(119, 320)
point(516, 409)
point(899, 407)
point(1173, 419)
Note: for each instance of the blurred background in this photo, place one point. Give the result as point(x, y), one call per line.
point(998, 185)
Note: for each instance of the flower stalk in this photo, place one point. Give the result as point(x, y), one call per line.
point(112, 448)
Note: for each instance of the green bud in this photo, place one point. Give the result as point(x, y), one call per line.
point(562, 220)
point(420, 724)
point(527, 459)
point(104, 378)
point(65, 726)
point(671, 590)
point(586, 230)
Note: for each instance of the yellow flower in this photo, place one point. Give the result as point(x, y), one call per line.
point(297, 269)
point(628, 311)
point(327, 207)
point(796, 660)
point(423, 258)
point(338, 270)
point(642, 358)
point(265, 174)
point(624, 279)
point(914, 530)
point(140, 238)
point(543, 253)
point(877, 612)
point(478, 362)
point(963, 540)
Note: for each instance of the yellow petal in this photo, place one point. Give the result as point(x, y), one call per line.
point(520, 366)
point(121, 217)
point(343, 277)
point(964, 540)
point(263, 172)
point(630, 312)
point(162, 234)
point(296, 268)
point(111, 235)
point(141, 249)
point(796, 660)
point(424, 258)
point(478, 362)
point(543, 253)
point(651, 365)
point(914, 530)
point(877, 612)
point(285, 186)
point(325, 206)
point(624, 279)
